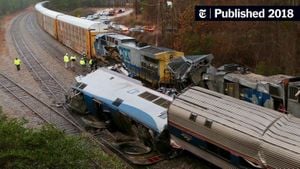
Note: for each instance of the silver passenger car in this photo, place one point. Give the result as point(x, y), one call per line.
point(229, 132)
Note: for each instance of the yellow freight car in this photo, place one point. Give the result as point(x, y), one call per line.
point(76, 33)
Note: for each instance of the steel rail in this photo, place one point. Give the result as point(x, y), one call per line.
point(38, 107)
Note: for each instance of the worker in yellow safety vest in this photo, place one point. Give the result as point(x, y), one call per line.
point(73, 59)
point(17, 62)
point(82, 62)
point(91, 64)
point(66, 60)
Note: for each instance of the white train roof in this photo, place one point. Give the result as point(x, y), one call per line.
point(232, 113)
point(40, 7)
point(116, 36)
point(252, 131)
point(281, 143)
point(83, 23)
point(142, 104)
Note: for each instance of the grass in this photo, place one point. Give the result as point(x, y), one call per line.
point(47, 147)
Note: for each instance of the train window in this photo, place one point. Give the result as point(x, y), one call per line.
point(219, 151)
point(118, 102)
point(80, 85)
point(151, 59)
point(148, 96)
point(127, 40)
point(212, 148)
point(274, 91)
point(193, 117)
point(162, 102)
point(208, 123)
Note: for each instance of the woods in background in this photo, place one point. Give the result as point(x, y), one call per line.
point(9, 6)
point(266, 47)
point(68, 5)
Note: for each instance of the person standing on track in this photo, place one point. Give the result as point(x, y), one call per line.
point(82, 62)
point(66, 60)
point(91, 64)
point(73, 59)
point(17, 62)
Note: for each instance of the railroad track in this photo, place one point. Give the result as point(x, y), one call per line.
point(44, 76)
point(44, 39)
point(51, 87)
point(38, 107)
point(44, 111)
point(49, 84)
point(48, 43)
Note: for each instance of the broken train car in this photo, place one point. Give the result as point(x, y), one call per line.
point(123, 102)
point(148, 63)
point(278, 92)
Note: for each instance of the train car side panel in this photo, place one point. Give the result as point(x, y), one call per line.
point(202, 153)
point(40, 18)
point(92, 47)
point(73, 36)
point(219, 135)
point(47, 19)
point(50, 26)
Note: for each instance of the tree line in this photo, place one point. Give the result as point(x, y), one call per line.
point(9, 6)
point(266, 47)
point(69, 5)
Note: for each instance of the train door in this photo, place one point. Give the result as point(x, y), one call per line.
point(294, 99)
point(99, 110)
point(232, 89)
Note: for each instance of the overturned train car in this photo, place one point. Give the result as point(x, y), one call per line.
point(227, 132)
point(123, 102)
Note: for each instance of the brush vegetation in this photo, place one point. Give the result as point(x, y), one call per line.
point(47, 147)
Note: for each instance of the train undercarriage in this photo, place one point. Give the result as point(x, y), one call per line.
point(130, 139)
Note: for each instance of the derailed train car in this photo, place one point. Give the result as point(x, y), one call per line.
point(76, 33)
point(278, 92)
point(147, 62)
point(232, 133)
point(227, 132)
point(122, 101)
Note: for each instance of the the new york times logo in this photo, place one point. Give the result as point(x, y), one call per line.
point(202, 13)
point(247, 13)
